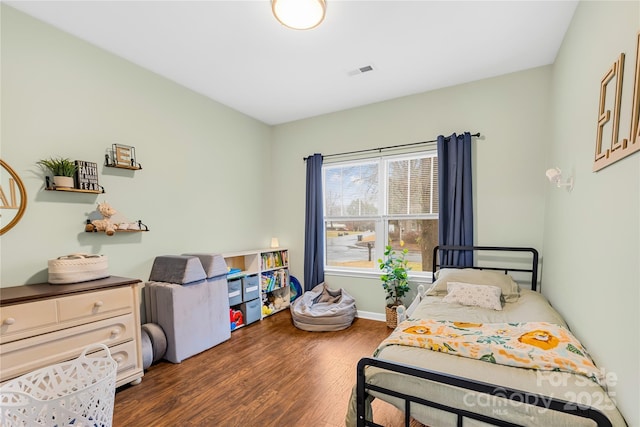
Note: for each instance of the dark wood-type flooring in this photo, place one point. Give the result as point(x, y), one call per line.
point(268, 374)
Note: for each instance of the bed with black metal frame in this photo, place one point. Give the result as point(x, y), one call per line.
point(439, 389)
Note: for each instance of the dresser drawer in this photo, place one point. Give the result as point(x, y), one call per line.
point(16, 320)
point(20, 357)
point(94, 304)
point(126, 356)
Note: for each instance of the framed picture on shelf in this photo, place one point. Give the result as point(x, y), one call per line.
point(122, 156)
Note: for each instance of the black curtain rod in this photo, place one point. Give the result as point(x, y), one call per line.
point(386, 148)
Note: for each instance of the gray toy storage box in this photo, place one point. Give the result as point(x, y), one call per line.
point(250, 287)
point(234, 287)
point(187, 297)
point(251, 311)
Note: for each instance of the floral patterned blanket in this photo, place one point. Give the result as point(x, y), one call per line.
point(533, 345)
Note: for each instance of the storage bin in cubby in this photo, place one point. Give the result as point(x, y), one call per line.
point(235, 291)
point(250, 287)
point(251, 310)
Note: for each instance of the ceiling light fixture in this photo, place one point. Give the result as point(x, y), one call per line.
point(299, 14)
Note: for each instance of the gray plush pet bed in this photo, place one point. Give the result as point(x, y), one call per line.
point(323, 309)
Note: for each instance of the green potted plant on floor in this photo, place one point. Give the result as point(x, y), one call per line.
point(395, 281)
point(62, 169)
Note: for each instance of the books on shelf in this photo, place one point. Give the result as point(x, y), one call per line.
point(234, 273)
point(274, 259)
point(271, 280)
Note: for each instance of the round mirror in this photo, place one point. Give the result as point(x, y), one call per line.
point(13, 197)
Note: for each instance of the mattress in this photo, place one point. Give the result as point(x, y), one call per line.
point(531, 306)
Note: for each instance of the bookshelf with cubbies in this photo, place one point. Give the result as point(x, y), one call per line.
point(241, 266)
point(271, 266)
point(274, 280)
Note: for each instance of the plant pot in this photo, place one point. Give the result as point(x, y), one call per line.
point(63, 181)
point(391, 316)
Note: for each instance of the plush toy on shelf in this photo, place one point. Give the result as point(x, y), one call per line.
point(279, 302)
point(107, 219)
point(105, 223)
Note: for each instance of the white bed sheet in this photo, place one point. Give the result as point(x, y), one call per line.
point(531, 306)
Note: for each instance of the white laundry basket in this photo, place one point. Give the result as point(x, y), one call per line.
point(77, 393)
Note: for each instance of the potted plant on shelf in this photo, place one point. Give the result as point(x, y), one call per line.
point(63, 171)
point(395, 281)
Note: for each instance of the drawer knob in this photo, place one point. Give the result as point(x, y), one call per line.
point(118, 359)
point(115, 332)
point(98, 304)
point(9, 321)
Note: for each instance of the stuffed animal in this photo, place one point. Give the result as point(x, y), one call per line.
point(105, 223)
point(279, 303)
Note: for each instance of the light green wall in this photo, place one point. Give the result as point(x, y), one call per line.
point(203, 186)
point(592, 235)
point(512, 114)
point(589, 239)
point(216, 180)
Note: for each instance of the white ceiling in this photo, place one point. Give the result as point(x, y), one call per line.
point(236, 53)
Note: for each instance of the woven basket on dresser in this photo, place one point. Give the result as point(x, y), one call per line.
point(77, 268)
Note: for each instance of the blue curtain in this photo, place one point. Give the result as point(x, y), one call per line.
point(313, 226)
point(455, 225)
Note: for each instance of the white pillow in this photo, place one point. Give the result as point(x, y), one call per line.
point(474, 295)
point(510, 289)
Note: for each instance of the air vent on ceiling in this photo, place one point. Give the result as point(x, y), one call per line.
point(360, 70)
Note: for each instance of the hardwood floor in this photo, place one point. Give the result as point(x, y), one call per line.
point(268, 374)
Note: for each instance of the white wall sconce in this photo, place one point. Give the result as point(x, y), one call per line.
point(299, 14)
point(555, 176)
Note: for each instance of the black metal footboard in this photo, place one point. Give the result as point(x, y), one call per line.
point(519, 396)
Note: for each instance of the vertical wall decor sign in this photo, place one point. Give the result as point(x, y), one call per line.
point(87, 176)
point(618, 149)
point(13, 197)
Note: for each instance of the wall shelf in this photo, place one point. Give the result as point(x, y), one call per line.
point(74, 190)
point(120, 231)
point(133, 168)
point(141, 227)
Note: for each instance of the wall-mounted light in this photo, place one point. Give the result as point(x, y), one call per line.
point(299, 14)
point(555, 176)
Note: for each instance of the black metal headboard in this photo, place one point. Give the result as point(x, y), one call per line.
point(534, 262)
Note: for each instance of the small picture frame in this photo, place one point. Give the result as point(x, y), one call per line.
point(122, 156)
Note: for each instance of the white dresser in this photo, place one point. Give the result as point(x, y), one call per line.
point(44, 324)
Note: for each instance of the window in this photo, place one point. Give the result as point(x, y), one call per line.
point(371, 203)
